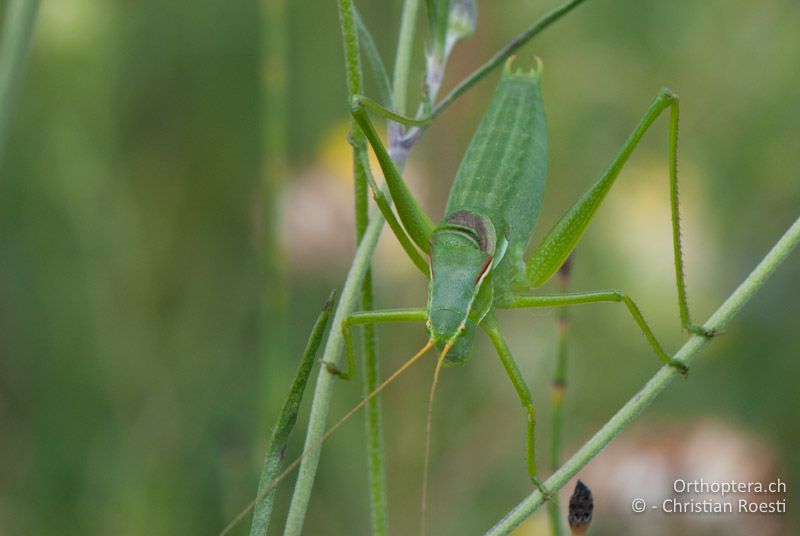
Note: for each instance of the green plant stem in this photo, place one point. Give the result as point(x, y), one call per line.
point(657, 383)
point(430, 11)
point(376, 466)
point(360, 276)
point(20, 16)
point(375, 458)
point(402, 62)
point(376, 469)
point(325, 381)
point(503, 54)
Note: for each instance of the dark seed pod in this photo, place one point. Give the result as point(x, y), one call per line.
point(581, 505)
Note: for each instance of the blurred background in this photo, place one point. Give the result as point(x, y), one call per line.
point(156, 289)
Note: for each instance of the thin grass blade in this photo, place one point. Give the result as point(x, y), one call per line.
point(374, 60)
point(286, 421)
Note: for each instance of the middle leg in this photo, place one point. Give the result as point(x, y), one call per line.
point(577, 298)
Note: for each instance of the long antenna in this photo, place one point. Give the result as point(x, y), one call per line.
point(326, 435)
point(428, 427)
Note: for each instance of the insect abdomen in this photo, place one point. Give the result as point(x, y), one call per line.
point(503, 172)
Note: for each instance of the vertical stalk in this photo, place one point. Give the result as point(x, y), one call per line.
point(557, 393)
point(374, 435)
point(376, 467)
point(323, 390)
point(402, 62)
point(402, 66)
point(358, 275)
point(14, 44)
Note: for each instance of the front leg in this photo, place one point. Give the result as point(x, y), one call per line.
point(415, 221)
point(371, 317)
